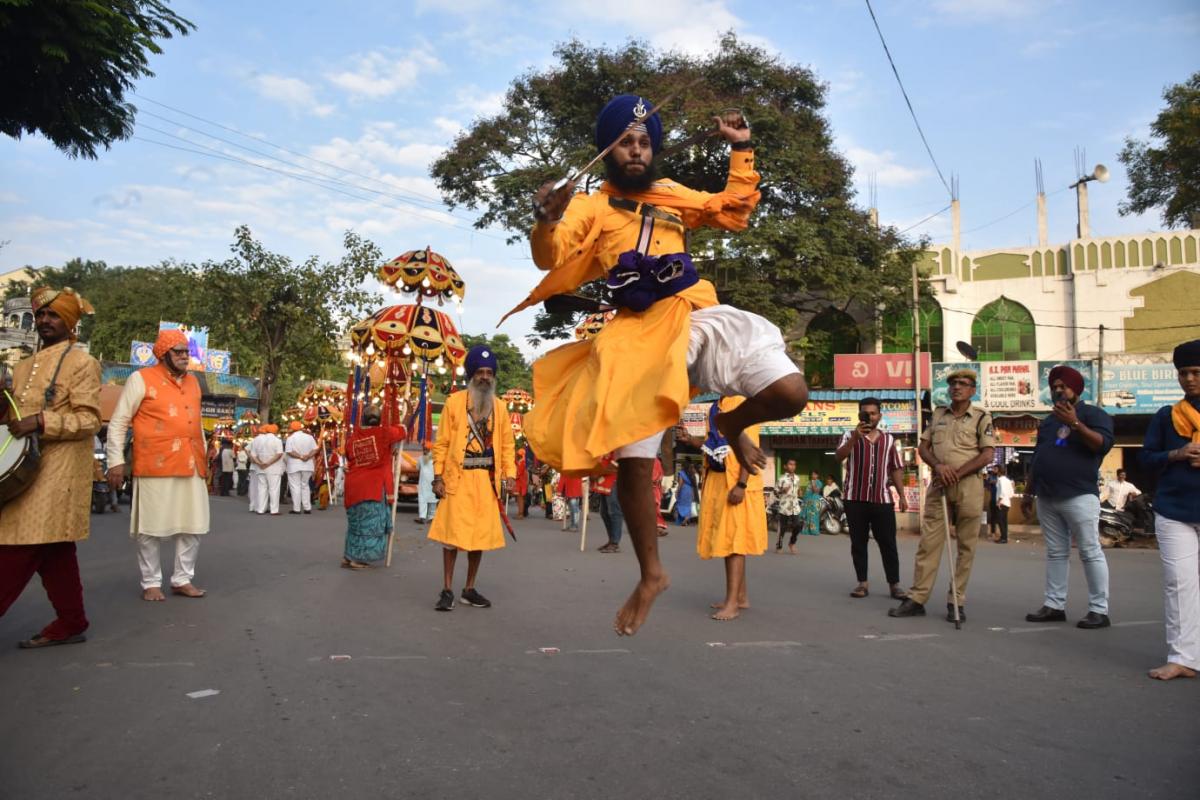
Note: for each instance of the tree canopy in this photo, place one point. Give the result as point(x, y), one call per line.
point(512, 369)
point(1166, 175)
point(808, 247)
point(67, 65)
point(279, 319)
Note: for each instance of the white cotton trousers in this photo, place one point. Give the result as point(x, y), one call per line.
point(300, 489)
point(731, 352)
point(267, 495)
point(187, 547)
point(1179, 547)
point(253, 490)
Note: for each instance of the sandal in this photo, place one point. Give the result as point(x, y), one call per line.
point(859, 591)
point(898, 593)
point(35, 642)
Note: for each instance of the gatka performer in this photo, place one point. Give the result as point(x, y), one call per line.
point(473, 461)
point(619, 391)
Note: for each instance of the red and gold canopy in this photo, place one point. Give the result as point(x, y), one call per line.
point(423, 272)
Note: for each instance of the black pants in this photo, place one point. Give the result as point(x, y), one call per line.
point(1002, 518)
point(788, 523)
point(993, 516)
point(226, 483)
point(243, 482)
point(878, 519)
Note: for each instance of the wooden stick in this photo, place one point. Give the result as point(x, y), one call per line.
point(396, 469)
point(584, 511)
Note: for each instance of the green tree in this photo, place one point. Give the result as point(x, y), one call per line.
point(67, 65)
point(808, 247)
point(1166, 175)
point(284, 318)
point(512, 369)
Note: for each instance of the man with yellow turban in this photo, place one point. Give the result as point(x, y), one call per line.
point(161, 404)
point(300, 448)
point(56, 402)
point(620, 390)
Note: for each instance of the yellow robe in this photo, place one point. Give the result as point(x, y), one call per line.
point(468, 517)
point(58, 506)
point(630, 381)
point(725, 530)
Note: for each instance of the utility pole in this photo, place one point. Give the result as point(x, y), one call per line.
point(1100, 372)
point(916, 323)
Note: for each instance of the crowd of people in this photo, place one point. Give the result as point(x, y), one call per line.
point(602, 407)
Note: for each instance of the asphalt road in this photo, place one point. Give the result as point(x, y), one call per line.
point(332, 683)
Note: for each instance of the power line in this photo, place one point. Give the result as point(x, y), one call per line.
point(1011, 213)
point(922, 222)
point(896, 72)
point(268, 142)
point(1081, 327)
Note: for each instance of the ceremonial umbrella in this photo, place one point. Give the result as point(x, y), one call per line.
point(424, 273)
point(519, 403)
point(592, 324)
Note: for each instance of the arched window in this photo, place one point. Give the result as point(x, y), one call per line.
point(1003, 330)
point(14, 321)
point(829, 332)
point(26, 321)
point(897, 330)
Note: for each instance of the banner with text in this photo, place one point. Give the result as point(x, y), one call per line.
point(878, 370)
point(1140, 388)
point(1010, 385)
point(834, 417)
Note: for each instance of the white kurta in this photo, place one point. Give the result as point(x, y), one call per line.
point(161, 506)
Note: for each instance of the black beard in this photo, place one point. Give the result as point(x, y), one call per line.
point(630, 184)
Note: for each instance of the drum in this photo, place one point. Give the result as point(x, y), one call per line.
point(19, 462)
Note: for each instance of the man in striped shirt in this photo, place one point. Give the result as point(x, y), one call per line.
point(874, 460)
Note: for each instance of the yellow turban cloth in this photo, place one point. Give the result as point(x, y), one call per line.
point(65, 302)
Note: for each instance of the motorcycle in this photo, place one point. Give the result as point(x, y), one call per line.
point(833, 515)
point(100, 491)
point(1120, 527)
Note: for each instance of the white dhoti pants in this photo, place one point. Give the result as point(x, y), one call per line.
point(300, 489)
point(1179, 547)
point(268, 493)
point(731, 352)
point(187, 547)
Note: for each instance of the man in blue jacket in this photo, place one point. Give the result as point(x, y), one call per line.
point(1071, 443)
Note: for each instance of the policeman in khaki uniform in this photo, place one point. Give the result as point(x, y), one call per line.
point(958, 443)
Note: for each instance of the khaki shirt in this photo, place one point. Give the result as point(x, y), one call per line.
point(956, 440)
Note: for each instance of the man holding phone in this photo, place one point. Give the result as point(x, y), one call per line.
point(1071, 443)
point(872, 461)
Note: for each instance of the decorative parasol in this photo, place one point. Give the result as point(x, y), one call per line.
point(519, 403)
point(592, 324)
point(425, 273)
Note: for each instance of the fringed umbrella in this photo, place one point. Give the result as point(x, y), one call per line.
point(592, 324)
point(426, 274)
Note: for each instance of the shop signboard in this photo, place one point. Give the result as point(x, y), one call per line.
point(1009, 385)
point(878, 370)
point(218, 407)
point(940, 393)
point(1016, 431)
point(1084, 368)
point(695, 419)
point(217, 361)
point(1140, 388)
point(835, 417)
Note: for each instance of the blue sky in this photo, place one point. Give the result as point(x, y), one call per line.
point(381, 88)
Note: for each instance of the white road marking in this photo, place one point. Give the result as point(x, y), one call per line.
point(899, 637)
point(203, 693)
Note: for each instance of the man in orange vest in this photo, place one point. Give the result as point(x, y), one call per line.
point(170, 496)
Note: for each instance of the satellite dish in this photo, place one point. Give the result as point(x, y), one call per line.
point(1100, 173)
point(968, 352)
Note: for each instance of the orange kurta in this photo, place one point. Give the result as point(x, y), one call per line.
point(631, 381)
point(167, 437)
point(725, 530)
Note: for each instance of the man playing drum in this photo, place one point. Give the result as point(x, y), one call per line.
point(57, 408)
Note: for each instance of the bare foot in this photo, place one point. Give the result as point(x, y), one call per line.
point(153, 595)
point(187, 590)
point(1168, 672)
point(792, 549)
point(743, 604)
point(725, 613)
point(633, 614)
point(748, 454)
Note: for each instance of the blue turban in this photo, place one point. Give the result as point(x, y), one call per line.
point(481, 355)
point(615, 118)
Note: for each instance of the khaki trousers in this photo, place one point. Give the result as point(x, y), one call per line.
point(965, 500)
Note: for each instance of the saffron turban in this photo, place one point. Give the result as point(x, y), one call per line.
point(1187, 354)
point(65, 302)
point(480, 356)
point(295, 425)
point(1069, 376)
point(615, 118)
point(168, 339)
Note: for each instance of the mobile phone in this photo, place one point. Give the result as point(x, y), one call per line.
point(1059, 397)
point(864, 417)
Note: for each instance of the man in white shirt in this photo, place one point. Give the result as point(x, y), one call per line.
point(266, 451)
point(243, 468)
point(1005, 491)
point(1119, 491)
point(301, 449)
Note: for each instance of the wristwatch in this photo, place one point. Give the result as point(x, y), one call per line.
point(741, 484)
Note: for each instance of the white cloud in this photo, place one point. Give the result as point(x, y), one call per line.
point(10, 198)
point(882, 164)
point(478, 103)
point(688, 26)
point(293, 93)
point(379, 73)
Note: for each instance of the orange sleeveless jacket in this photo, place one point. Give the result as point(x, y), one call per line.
point(167, 442)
